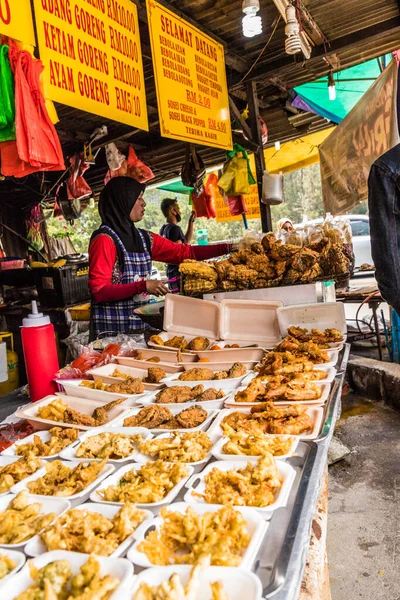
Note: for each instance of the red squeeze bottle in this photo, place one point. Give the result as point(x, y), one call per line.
point(40, 353)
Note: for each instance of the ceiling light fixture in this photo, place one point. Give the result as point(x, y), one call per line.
point(288, 13)
point(292, 30)
point(251, 23)
point(331, 87)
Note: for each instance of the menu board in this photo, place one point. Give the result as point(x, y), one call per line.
point(189, 70)
point(92, 56)
point(16, 20)
point(252, 205)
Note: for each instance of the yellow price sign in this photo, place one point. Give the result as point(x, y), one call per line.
point(92, 56)
point(252, 205)
point(189, 69)
point(16, 20)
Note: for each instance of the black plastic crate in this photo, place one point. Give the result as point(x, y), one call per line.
point(62, 287)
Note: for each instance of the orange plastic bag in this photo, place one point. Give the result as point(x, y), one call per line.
point(203, 205)
point(131, 167)
point(77, 186)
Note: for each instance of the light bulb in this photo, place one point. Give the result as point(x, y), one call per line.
point(277, 145)
point(252, 25)
point(331, 87)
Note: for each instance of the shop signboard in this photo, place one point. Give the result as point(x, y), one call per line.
point(252, 204)
point(189, 69)
point(369, 130)
point(16, 20)
point(92, 57)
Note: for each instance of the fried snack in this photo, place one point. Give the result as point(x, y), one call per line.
point(198, 343)
point(130, 385)
point(179, 447)
point(237, 370)
point(90, 532)
point(6, 565)
point(210, 394)
point(192, 285)
point(198, 270)
point(252, 392)
point(59, 411)
point(191, 417)
point(279, 388)
point(22, 519)
point(60, 439)
point(257, 444)
point(156, 339)
point(151, 417)
point(16, 471)
point(177, 394)
point(177, 341)
point(183, 538)
point(154, 375)
point(283, 363)
point(151, 483)
point(253, 485)
point(267, 418)
point(55, 582)
point(61, 481)
point(142, 356)
point(112, 446)
point(201, 374)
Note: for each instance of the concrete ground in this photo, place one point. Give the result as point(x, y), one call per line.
point(364, 511)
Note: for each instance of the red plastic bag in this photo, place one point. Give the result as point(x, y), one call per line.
point(237, 205)
point(203, 205)
point(77, 186)
point(131, 167)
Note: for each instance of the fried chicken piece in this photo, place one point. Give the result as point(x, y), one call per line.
point(268, 241)
point(304, 260)
point(280, 267)
point(312, 274)
point(257, 248)
point(267, 410)
point(291, 276)
point(237, 370)
point(178, 394)
point(198, 344)
point(154, 375)
point(292, 426)
point(251, 393)
point(151, 417)
point(156, 339)
point(74, 417)
point(171, 424)
point(176, 342)
point(260, 264)
point(333, 261)
point(130, 385)
point(219, 375)
point(221, 268)
point(197, 374)
point(191, 417)
point(299, 333)
point(210, 394)
point(281, 251)
point(239, 258)
point(302, 391)
point(228, 286)
point(244, 276)
point(110, 405)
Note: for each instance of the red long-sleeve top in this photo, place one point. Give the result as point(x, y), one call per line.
point(103, 254)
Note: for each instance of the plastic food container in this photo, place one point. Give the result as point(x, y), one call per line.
point(219, 384)
point(175, 409)
point(219, 454)
point(256, 524)
point(330, 376)
point(72, 387)
point(120, 568)
point(325, 389)
point(243, 354)
point(8, 460)
point(70, 452)
point(238, 583)
point(169, 356)
point(74, 499)
point(287, 473)
point(48, 505)
point(315, 412)
point(36, 546)
point(30, 412)
point(155, 507)
point(207, 404)
point(322, 315)
point(251, 321)
point(43, 435)
point(18, 558)
point(198, 466)
point(105, 374)
point(221, 366)
point(128, 361)
point(168, 335)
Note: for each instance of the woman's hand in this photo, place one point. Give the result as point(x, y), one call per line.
point(156, 287)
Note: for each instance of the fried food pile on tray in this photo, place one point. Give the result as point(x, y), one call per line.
point(131, 385)
point(328, 336)
point(62, 481)
point(112, 446)
point(287, 364)
point(59, 411)
point(22, 519)
point(151, 483)
point(267, 418)
point(173, 589)
point(90, 532)
point(257, 444)
point(156, 416)
point(154, 375)
point(279, 388)
point(196, 344)
point(177, 394)
point(6, 565)
point(201, 374)
point(183, 538)
point(200, 277)
point(253, 485)
point(56, 582)
point(60, 439)
point(16, 471)
point(308, 350)
point(179, 447)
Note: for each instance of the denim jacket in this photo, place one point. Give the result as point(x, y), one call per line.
point(384, 216)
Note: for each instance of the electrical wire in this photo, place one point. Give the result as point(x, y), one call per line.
point(367, 299)
point(263, 49)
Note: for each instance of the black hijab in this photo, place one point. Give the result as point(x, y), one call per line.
point(116, 201)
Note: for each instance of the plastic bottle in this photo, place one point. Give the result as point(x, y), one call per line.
point(40, 352)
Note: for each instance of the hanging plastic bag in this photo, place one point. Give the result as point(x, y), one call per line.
point(77, 186)
point(193, 170)
point(203, 205)
point(237, 205)
point(137, 169)
point(7, 100)
point(114, 157)
point(237, 177)
point(212, 189)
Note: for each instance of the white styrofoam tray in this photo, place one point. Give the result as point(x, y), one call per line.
point(198, 465)
point(219, 384)
point(74, 499)
point(168, 335)
point(8, 460)
point(36, 546)
point(238, 583)
point(315, 412)
point(286, 472)
point(175, 409)
point(168, 355)
point(44, 435)
point(48, 505)
point(242, 354)
point(191, 317)
point(325, 389)
point(250, 321)
point(120, 568)
point(330, 376)
point(322, 315)
point(153, 506)
point(105, 374)
point(30, 412)
point(18, 558)
point(221, 366)
point(207, 404)
point(73, 387)
point(256, 524)
point(128, 361)
point(70, 452)
point(217, 450)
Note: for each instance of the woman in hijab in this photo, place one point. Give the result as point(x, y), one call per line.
point(120, 259)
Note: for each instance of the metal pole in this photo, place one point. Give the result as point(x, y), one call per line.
point(254, 122)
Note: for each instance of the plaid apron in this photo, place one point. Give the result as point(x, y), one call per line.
point(118, 317)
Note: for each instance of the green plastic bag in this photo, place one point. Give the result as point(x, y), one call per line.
point(237, 176)
point(7, 100)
